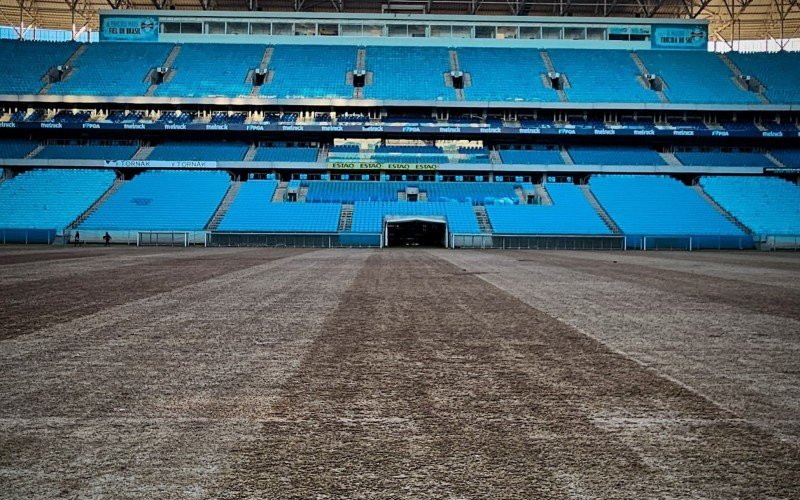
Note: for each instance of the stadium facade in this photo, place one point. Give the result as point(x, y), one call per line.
point(368, 130)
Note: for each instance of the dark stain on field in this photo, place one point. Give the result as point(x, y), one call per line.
point(779, 301)
point(28, 306)
point(448, 387)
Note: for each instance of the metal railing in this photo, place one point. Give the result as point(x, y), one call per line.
point(789, 242)
point(294, 240)
point(27, 236)
point(538, 242)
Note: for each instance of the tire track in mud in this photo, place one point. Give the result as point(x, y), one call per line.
point(429, 382)
point(31, 305)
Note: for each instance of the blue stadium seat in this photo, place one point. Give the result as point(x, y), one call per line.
point(658, 205)
point(628, 155)
point(290, 154)
point(204, 69)
point(50, 199)
point(719, 158)
point(500, 74)
point(302, 71)
point(570, 213)
point(199, 151)
point(766, 205)
point(779, 73)
point(393, 78)
point(368, 216)
point(26, 63)
point(535, 156)
point(90, 151)
point(16, 148)
point(593, 73)
point(253, 211)
point(162, 200)
point(113, 69)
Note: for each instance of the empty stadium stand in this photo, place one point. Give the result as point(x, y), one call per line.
point(779, 73)
point(50, 199)
point(112, 69)
point(766, 205)
point(393, 80)
point(90, 151)
point(629, 155)
point(652, 205)
point(592, 73)
point(199, 151)
point(368, 216)
point(570, 213)
point(536, 156)
point(311, 72)
point(716, 157)
point(695, 77)
point(16, 148)
point(162, 200)
point(290, 154)
point(26, 63)
point(204, 69)
point(512, 75)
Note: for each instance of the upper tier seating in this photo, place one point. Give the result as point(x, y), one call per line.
point(205, 69)
point(570, 213)
point(299, 154)
point(408, 73)
point(633, 155)
point(591, 73)
point(720, 158)
point(50, 199)
point(766, 205)
point(695, 76)
point(25, 63)
point(537, 156)
point(253, 211)
point(162, 200)
point(302, 71)
point(658, 205)
point(199, 151)
point(504, 75)
point(368, 215)
point(789, 157)
point(779, 73)
point(113, 69)
point(16, 148)
point(87, 152)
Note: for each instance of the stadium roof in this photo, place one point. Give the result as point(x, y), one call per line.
point(731, 20)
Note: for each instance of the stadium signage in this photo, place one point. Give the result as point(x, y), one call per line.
point(159, 164)
point(356, 165)
point(680, 37)
point(400, 129)
point(129, 28)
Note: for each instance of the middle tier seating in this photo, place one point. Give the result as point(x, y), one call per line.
point(476, 193)
point(368, 216)
point(90, 151)
point(630, 155)
point(199, 151)
point(719, 158)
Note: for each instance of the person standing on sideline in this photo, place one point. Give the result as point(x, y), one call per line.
point(107, 239)
point(77, 239)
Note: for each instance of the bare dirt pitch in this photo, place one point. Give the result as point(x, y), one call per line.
point(398, 373)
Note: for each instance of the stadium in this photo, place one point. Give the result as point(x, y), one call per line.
point(400, 249)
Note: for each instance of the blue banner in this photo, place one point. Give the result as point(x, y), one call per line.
point(680, 37)
point(129, 29)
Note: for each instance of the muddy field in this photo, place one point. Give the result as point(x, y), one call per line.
point(256, 373)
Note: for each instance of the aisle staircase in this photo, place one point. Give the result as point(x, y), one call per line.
point(711, 201)
point(225, 204)
point(89, 211)
point(599, 209)
point(483, 219)
point(644, 71)
point(346, 218)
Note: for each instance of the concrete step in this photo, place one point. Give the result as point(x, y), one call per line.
point(346, 218)
point(774, 160)
point(35, 151)
point(251, 153)
point(143, 153)
point(279, 196)
point(644, 71)
point(543, 195)
point(89, 211)
point(711, 201)
point(494, 157)
point(483, 219)
point(671, 159)
point(566, 157)
point(225, 204)
point(599, 209)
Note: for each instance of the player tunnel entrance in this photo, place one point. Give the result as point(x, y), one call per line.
point(415, 231)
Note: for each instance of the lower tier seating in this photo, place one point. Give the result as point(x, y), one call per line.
point(252, 211)
point(766, 205)
point(570, 213)
point(162, 200)
point(658, 205)
point(50, 199)
point(368, 216)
